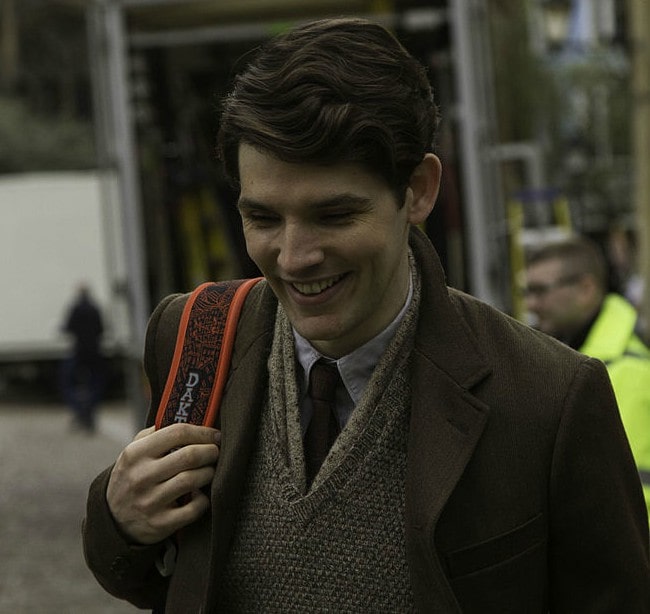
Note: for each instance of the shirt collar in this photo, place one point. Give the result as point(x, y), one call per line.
point(357, 367)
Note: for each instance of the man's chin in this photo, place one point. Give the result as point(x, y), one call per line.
point(316, 328)
point(325, 337)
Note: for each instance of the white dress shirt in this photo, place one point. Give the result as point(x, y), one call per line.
point(355, 369)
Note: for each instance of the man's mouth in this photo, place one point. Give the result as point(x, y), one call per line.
point(316, 287)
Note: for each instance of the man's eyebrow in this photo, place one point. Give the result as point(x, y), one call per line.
point(345, 199)
point(247, 204)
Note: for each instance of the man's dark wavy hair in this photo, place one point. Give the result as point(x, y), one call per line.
point(332, 91)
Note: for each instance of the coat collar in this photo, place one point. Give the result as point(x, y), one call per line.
point(443, 337)
point(447, 421)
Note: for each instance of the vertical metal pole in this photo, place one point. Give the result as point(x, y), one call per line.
point(639, 29)
point(472, 118)
point(119, 143)
point(9, 45)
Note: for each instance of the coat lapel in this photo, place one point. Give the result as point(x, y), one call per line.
point(447, 421)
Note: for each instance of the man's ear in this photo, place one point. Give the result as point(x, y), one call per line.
point(423, 189)
point(590, 289)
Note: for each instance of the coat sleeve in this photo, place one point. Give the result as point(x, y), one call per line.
point(124, 569)
point(599, 530)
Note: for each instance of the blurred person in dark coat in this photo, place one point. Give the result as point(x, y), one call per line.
point(82, 373)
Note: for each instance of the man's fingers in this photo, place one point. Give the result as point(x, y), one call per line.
point(154, 471)
point(144, 433)
point(167, 493)
point(153, 528)
point(157, 443)
point(178, 516)
point(186, 458)
point(148, 513)
point(186, 483)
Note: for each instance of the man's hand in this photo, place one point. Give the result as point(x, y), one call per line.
point(154, 472)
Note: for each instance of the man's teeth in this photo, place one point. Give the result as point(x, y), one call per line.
point(316, 287)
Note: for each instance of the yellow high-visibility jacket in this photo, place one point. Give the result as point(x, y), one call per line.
point(613, 340)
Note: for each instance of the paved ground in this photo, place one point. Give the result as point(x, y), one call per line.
point(45, 470)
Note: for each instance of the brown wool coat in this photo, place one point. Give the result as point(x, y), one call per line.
point(522, 494)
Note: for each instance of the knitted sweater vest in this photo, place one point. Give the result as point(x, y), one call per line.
point(340, 546)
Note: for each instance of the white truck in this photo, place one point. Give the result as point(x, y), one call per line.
point(57, 231)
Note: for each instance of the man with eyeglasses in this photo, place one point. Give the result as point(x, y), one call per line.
point(567, 293)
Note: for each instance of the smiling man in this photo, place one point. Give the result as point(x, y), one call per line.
point(386, 444)
point(332, 242)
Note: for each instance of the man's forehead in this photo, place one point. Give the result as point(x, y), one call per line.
point(266, 178)
point(546, 267)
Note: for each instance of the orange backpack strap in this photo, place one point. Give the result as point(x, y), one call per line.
point(201, 361)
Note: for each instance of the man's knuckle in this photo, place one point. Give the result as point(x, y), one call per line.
point(187, 456)
point(126, 457)
point(185, 481)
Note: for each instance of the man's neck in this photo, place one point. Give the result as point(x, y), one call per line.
point(577, 339)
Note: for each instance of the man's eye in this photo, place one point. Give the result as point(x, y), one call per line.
point(337, 217)
point(264, 219)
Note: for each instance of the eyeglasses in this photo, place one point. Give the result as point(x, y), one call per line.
point(539, 290)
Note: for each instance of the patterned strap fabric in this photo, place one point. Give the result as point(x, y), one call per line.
point(199, 368)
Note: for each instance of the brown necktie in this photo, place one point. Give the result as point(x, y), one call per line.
point(323, 427)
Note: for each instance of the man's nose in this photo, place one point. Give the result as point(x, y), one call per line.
point(299, 248)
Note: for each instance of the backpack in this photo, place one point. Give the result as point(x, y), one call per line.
point(201, 360)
